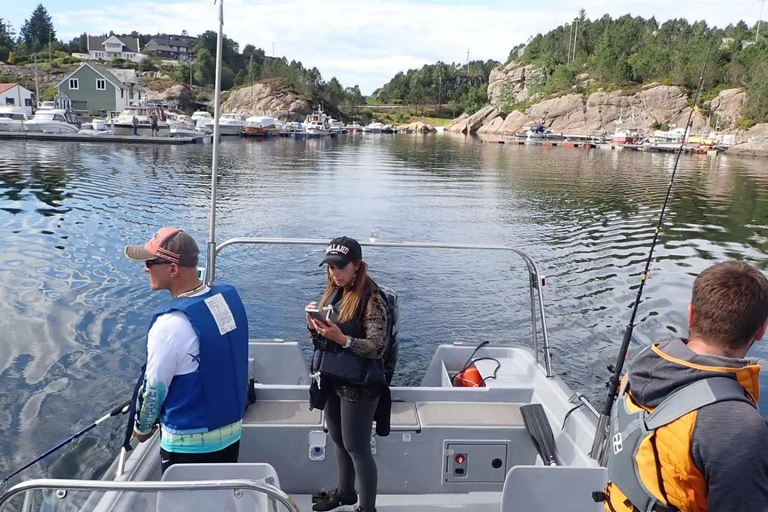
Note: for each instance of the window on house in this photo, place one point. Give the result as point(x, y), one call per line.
point(74, 84)
point(101, 85)
point(28, 102)
point(122, 93)
point(10, 101)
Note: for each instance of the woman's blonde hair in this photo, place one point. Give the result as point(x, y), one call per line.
point(353, 295)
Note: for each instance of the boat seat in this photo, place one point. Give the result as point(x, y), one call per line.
point(279, 412)
point(469, 414)
point(184, 501)
point(529, 488)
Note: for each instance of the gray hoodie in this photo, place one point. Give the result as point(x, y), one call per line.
point(730, 439)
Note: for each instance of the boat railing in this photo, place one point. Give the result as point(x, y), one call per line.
point(535, 280)
point(61, 487)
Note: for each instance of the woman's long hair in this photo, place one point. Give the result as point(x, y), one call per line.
point(353, 295)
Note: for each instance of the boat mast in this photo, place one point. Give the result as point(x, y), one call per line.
point(210, 273)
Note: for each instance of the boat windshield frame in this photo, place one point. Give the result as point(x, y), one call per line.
point(535, 280)
point(61, 486)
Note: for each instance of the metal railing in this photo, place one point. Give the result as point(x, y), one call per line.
point(535, 280)
point(61, 486)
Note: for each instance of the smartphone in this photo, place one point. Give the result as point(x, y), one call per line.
point(322, 316)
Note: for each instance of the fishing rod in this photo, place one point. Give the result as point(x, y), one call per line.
point(599, 452)
point(117, 411)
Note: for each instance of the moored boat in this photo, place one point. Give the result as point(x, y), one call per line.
point(231, 124)
point(12, 119)
point(53, 120)
point(123, 124)
point(261, 126)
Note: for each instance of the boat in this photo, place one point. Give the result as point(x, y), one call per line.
point(627, 137)
point(123, 123)
point(261, 126)
point(539, 132)
point(181, 125)
point(373, 128)
point(291, 128)
point(316, 124)
point(12, 119)
point(96, 128)
point(203, 121)
point(335, 127)
point(388, 128)
point(354, 127)
point(53, 120)
point(232, 124)
point(468, 449)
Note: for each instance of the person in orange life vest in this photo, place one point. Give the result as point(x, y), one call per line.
point(715, 457)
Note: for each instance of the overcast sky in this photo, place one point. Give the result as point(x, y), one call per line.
point(366, 42)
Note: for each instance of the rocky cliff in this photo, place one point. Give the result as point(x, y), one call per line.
point(267, 98)
point(600, 112)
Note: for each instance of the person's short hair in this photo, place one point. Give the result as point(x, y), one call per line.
point(730, 303)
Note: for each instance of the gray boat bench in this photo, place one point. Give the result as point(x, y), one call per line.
point(430, 427)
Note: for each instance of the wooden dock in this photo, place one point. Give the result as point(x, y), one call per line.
point(76, 137)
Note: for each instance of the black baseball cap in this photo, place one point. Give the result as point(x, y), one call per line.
point(341, 251)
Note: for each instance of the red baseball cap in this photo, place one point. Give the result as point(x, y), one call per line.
point(171, 244)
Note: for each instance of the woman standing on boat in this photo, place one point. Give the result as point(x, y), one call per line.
point(350, 349)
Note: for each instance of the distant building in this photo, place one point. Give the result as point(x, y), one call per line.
point(96, 90)
point(725, 42)
point(108, 48)
point(15, 95)
point(747, 44)
point(171, 48)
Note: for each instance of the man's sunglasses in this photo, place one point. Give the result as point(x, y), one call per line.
point(152, 263)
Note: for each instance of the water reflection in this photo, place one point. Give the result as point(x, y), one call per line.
point(74, 311)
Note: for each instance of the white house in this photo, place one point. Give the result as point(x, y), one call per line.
point(14, 95)
point(108, 48)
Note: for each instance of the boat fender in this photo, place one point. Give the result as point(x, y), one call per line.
point(469, 378)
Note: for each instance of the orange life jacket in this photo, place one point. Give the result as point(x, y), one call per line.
point(660, 458)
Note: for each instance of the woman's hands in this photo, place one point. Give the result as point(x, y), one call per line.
point(310, 323)
point(330, 331)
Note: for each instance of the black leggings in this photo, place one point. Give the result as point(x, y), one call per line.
point(350, 425)
point(228, 454)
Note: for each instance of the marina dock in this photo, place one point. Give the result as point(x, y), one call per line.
point(76, 137)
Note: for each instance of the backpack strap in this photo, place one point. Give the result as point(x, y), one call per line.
point(695, 396)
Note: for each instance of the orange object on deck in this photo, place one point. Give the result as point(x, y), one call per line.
point(469, 378)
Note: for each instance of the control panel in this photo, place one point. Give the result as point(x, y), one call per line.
point(475, 461)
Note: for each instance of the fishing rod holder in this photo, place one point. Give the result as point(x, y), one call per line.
point(535, 280)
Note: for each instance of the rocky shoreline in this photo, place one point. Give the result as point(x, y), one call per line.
point(603, 112)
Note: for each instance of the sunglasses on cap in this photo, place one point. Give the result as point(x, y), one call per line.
point(158, 261)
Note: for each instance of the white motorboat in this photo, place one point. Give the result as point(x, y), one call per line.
point(538, 132)
point(317, 124)
point(181, 125)
point(96, 128)
point(12, 119)
point(292, 127)
point(232, 124)
point(53, 120)
point(354, 127)
point(261, 126)
point(335, 127)
point(123, 124)
point(374, 128)
point(203, 121)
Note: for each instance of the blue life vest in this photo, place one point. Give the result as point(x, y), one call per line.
point(216, 394)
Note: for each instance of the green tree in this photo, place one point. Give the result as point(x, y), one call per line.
point(205, 67)
point(38, 30)
point(6, 39)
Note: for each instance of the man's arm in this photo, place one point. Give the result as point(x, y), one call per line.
point(162, 361)
point(730, 447)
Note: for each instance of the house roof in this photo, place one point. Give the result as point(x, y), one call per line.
point(154, 46)
point(97, 42)
point(127, 76)
point(101, 70)
point(5, 87)
point(188, 43)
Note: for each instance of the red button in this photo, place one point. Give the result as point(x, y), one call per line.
point(460, 459)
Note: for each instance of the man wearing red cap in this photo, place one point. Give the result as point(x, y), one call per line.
point(196, 377)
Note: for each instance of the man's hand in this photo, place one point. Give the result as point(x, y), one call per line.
point(144, 437)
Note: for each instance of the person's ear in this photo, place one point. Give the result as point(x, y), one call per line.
point(174, 270)
point(690, 316)
point(761, 331)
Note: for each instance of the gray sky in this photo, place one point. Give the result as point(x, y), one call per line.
point(366, 42)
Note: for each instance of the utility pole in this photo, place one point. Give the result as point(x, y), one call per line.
point(762, 4)
point(575, 37)
point(273, 49)
point(570, 36)
point(190, 72)
point(50, 59)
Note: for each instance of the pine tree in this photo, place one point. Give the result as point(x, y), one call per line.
point(38, 30)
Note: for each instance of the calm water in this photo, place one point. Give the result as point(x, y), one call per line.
point(74, 310)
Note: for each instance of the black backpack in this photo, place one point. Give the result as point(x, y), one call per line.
point(393, 315)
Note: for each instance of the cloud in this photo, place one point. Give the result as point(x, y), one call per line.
point(368, 41)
